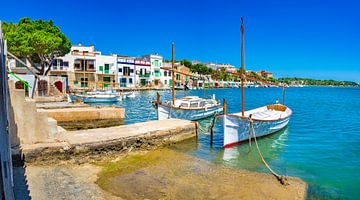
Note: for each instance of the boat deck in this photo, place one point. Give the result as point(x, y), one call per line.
point(263, 113)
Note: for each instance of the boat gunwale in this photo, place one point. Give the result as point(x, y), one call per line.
point(260, 120)
point(174, 107)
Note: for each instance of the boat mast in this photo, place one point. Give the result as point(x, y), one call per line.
point(242, 66)
point(172, 77)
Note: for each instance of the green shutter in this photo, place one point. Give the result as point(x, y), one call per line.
point(107, 68)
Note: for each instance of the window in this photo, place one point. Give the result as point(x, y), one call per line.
point(131, 70)
point(107, 67)
point(126, 71)
point(120, 69)
point(101, 68)
point(193, 105)
point(66, 64)
point(77, 66)
point(165, 73)
point(91, 65)
point(130, 80)
point(84, 82)
point(165, 82)
point(184, 105)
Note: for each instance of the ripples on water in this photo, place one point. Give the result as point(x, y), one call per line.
point(321, 143)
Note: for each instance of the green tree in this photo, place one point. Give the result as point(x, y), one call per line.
point(186, 63)
point(38, 41)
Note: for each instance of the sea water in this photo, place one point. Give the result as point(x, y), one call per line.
point(321, 144)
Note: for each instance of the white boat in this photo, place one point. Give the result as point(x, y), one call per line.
point(129, 94)
point(259, 122)
point(266, 120)
point(95, 98)
point(190, 108)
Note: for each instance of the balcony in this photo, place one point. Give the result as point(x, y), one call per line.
point(86, 70)
point(144, 75)
point(77, 53)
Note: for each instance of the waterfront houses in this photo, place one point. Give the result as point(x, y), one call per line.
point(265, 74)
point(142, 72)
point(156, 61)
point(126, 72)
point(86, 68)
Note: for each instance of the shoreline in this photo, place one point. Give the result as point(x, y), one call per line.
point(149, 174)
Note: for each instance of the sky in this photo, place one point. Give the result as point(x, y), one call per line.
point(292, 38)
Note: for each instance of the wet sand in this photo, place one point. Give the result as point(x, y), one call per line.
point(168, 174)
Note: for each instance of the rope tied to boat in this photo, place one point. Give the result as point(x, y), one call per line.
point(213, 122)
point(280, 178)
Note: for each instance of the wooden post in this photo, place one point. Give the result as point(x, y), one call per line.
point(157, 97)
point(224, 106)
point(172, 77)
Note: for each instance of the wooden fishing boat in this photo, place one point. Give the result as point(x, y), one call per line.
point(265, 121)
point(189, 107)
point(258, 122)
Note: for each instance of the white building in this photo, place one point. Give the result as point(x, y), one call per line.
point(156, 61)
point(106, 70)
point(126, 75)
point(85, 67)
point(143, 72)
point(166, 75)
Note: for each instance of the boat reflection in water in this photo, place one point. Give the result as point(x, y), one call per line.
point(241, 157)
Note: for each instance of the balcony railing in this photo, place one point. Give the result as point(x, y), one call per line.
point(77, 53)
point(144, 75)
point(81, 70)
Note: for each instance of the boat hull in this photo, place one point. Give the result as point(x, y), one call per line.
point(95, 99)
point(237, 129)
point(166, 112)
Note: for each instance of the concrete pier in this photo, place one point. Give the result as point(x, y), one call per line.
point(94, 141)
point(73, 118)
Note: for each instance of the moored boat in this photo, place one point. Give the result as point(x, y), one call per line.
point(190, 108)
point(95, 98)
point(265, 121)
point(258, 122)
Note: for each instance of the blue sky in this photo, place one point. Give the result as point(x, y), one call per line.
point(302, 38)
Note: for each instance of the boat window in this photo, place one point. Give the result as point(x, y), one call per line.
point(202, 104)
point(193, 105)
point(184, 105)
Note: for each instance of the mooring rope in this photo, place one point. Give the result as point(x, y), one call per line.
point(213, 122)
point(281, 179)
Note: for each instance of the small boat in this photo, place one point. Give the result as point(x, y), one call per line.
point(189, 107)
point(95, 98)
point(130, 95)
point(266, 120)
point(258, 122)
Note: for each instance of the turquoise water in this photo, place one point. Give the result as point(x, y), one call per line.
point(321, 144)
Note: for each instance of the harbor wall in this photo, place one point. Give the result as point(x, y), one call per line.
point(27, 126)
point(84, 144)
